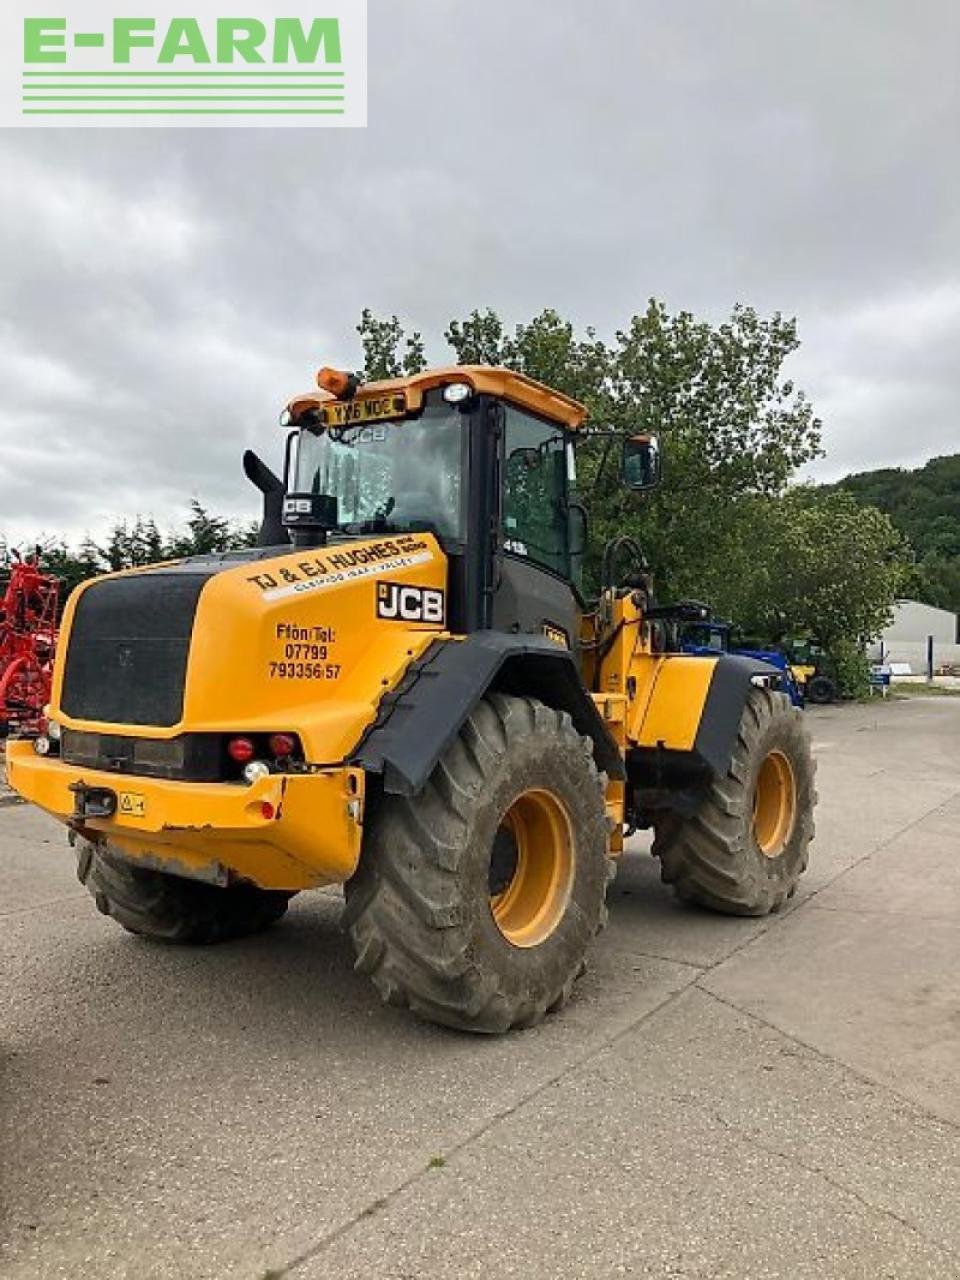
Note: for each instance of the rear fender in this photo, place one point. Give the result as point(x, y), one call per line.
point(673, 770)
point(419, 720)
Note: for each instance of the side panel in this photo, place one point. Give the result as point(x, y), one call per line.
point(673, 714)
point(528, 600)
point(685, 732)
point(307, 642)
point(424, 715)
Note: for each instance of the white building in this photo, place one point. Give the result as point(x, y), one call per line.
point(905, 640)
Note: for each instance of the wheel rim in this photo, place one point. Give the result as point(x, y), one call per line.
point(531, 869)
point(774, 804)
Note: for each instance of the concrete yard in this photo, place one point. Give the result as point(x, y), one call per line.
point(723, 1098)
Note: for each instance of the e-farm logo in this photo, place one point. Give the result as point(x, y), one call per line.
point(100, 62)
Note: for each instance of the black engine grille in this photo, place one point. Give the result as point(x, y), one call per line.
point(127, 655)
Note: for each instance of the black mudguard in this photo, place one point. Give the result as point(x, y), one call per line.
point(422, 716)
point(732, 678)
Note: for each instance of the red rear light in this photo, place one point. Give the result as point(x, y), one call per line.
point(241, 750)
point(283, 744)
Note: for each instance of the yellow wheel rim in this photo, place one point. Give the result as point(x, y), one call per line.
point(529, 907)
point(774, 804)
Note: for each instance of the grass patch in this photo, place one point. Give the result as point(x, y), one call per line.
point(905, 689)
point(437, 1162)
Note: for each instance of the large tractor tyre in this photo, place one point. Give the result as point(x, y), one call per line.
point(821, 690)
point(170, 908)
point(476, 900)
point(746, 847)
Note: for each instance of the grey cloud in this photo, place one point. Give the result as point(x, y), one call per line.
point(165, 290)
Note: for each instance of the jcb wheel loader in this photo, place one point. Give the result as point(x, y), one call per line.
point(403, 690)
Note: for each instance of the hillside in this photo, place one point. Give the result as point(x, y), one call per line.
point(925, 505)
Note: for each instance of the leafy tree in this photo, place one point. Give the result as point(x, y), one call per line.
point(146, 544)
point(724, 527)
point(387, 351)
point(118, 553)
point(205, 533)
point(924, 505)
point(731, 423)
point(823, 566)
point(130, 546)
point(546, 349)
point(71, 568)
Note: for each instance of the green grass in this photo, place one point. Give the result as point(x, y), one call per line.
point(903, 689)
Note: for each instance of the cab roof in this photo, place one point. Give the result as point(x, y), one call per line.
point(517, 388)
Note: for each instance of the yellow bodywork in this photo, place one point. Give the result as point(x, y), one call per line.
point(286, 644)
point(318, 608)
point(483, 379)
point(313, 609)
point(802, 672)
point(663, 695)
point(210, 830)
point(296, 643)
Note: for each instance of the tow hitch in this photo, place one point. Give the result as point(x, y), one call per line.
point(92, 802)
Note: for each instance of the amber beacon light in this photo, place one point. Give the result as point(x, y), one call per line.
point(340, 384)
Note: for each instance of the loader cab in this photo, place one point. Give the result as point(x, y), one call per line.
point(482, 458)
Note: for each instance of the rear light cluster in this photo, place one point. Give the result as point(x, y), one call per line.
point(260, 755)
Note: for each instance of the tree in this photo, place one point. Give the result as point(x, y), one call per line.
point(382, 341)
point(118, 552)
point(925, 506)
point(731, 426)
point(546, 349)
point(133, 546)
point(724, 527)
point(731, 423)
point(822, 566)
point(71, 568)
point(205, 533)
point(146, 544)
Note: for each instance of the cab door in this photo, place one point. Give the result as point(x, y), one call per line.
point(533, 592)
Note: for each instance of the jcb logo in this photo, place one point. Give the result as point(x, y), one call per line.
point(399, 602)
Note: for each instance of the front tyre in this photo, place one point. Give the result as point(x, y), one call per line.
point(171, 908)
point(746, 847)
point(476, 900)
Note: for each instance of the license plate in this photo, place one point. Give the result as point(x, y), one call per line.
point(363, 409)
point(131, 805)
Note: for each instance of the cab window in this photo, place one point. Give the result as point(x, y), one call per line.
point(535, 492)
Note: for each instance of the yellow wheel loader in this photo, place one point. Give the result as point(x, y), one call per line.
point(403, 690)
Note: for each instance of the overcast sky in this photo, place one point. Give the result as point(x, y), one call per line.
point(164, 291)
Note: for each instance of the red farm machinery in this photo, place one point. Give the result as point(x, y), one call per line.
point(29, 610)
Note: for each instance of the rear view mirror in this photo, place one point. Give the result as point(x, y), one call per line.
point(577, 528)
point(640, 467)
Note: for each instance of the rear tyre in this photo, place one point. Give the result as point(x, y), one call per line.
point(170, 908)
point(746, 847)
point(821, 690)
point(475, 901)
